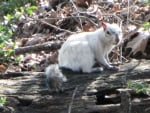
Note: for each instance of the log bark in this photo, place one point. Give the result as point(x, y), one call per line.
point(97, 93)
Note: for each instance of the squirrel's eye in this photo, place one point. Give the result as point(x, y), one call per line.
point(108, 32)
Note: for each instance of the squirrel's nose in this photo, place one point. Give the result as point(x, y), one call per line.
point(117, 39)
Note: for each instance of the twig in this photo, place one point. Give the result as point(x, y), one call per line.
point(72, 99)
point(78, 13)
point(43, 21)
point(58, 18)
point(128, 14)
point(120, 55)
point(56, 27)
point(81, 12)
point(74, 5)
point(133, 22)
point(74, 17)
point(87, 13)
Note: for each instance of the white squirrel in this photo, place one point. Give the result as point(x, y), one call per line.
point(81, 51)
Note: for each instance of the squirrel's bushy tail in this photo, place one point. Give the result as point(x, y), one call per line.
point(54, 78)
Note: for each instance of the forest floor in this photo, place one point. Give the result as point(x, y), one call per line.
point(38, 38)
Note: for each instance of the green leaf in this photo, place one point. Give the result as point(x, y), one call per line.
point(146, 25)
point(31, 9)
point(139, 87)
point(9, 52)
point(22, 10)
point(8, 17)
point(2, 100)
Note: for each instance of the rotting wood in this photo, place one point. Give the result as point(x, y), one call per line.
point(115, 108)
point(28, 93)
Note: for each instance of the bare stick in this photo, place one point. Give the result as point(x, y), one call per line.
point(72, 99)
point(78, 14)
point(128, 14)
point(120, 55)
point(58, 18)
point(56, 27)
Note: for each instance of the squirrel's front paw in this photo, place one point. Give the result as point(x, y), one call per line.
point(112, 68)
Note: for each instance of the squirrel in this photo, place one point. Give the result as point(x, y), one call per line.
point(81, 51)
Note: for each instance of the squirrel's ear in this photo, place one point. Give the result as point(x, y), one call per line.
point(104, 25)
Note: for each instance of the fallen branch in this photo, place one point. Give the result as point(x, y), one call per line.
point(56, 27)
point(69, 17)
point(51, 46)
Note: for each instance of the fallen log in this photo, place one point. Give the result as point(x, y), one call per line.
point(27, 93)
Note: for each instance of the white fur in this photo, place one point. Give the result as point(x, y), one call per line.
point(53, 71)
point(81, 51)
point(54, 78)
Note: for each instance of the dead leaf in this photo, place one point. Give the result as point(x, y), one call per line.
point(116, 8)
point(88, 28)
point(83, 3)
point(2, 68)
